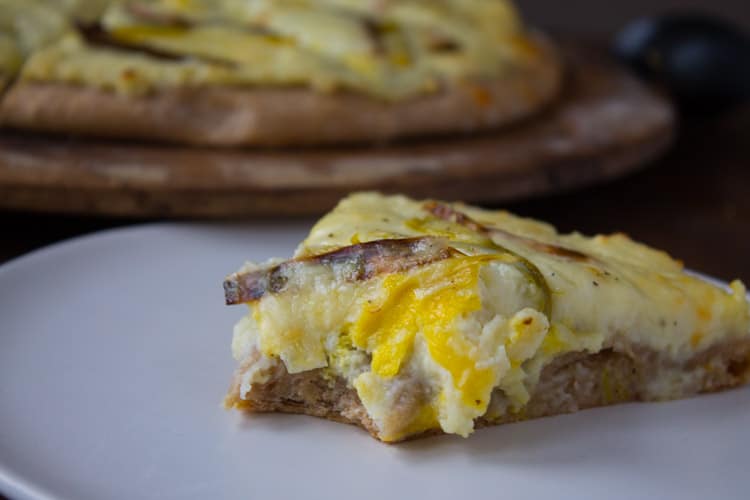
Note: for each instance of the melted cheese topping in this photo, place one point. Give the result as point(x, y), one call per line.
point(430, 346)
point(25, 26)
point(388, 49)
point(430, 303)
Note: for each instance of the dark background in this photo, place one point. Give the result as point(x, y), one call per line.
point(604, 17)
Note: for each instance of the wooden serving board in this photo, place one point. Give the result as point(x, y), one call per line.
point(606, 124)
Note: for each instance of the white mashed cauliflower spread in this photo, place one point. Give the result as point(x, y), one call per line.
point(444, 336)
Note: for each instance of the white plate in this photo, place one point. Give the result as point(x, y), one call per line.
point(114, 357)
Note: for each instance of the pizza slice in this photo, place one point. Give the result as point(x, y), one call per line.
point(285, 72)
point(410, 318)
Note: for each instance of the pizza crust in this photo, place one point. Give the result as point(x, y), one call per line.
point(234, 116)
point(572, 382)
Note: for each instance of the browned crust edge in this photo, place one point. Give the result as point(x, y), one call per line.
point(572, 382)
point(235, 116)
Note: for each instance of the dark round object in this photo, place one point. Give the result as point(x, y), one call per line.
point(704, 62)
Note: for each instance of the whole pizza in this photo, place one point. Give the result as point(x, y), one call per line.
point(270, 72)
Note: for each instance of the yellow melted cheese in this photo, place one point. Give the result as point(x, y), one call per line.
point(331, 44)
point(27, 26)
point(428, 302)
point(650, 289)
point(436, 345)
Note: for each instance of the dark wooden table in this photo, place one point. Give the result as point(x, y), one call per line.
point(694, 203)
